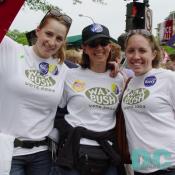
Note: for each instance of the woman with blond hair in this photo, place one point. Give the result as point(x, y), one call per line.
point(32, 84)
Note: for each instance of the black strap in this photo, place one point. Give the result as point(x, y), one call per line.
point(29, 144)
point(127, 81)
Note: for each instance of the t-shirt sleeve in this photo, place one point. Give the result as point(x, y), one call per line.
point(64, 98)
point(63, 101)
point(171, 89)
point(122, 81)
point(8, 49)
point(6, 45)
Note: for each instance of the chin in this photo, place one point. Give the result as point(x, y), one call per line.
point(46, 55)
point(138, 73)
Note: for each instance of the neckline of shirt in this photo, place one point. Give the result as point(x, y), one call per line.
point(39, 59)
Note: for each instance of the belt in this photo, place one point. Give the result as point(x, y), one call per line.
point(29, 144)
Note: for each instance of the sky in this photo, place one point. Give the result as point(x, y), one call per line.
point(111, 15)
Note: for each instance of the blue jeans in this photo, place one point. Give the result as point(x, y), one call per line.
point(111, 171)
point(32, 164)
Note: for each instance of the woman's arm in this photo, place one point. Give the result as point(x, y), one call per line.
point(7, 46)
point(114, 67)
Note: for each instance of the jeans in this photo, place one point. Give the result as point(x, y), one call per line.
point(111, 171)
point(32, 164)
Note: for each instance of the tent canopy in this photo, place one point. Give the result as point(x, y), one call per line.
point(75, 40)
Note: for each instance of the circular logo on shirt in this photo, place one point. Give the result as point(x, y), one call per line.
point(150, 81)
point(53, 69)
point(115, 88)
point(78, 85)
point(43, 68)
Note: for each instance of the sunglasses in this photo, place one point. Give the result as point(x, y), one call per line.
point(95, 43)
point(56, 13)
point(139, 31)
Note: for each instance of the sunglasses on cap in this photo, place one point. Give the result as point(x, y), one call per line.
point(101, 42)
point(56, 13)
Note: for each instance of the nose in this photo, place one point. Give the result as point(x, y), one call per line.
point(52, 42)
point(136, 55)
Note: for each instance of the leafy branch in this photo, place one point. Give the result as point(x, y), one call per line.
point(44, 5)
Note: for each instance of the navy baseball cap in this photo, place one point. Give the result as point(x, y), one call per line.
point(93, 32)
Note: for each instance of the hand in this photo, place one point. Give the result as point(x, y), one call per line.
point(114, 67)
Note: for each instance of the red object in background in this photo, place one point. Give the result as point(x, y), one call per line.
point(8, 11)
point(168, 31)
point(134, 10)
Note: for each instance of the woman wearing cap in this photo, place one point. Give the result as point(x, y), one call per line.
point(149, 107)
point(32, 80)
point(87, 143)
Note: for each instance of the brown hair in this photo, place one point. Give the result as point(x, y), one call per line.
point(115, 51)
point(74, 56)
point(153, 44)
point(172, 57)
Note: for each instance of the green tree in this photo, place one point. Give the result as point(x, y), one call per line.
point(44, 5)
point(18, 36)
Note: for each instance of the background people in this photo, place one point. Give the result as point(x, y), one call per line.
point(170, 64)
point(91, 103)
point(121, 60)
point(32, 85)
point(148, 105)
point(73, 56)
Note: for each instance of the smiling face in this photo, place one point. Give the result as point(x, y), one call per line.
point(139, 54)
point(98, 51)
point(50, 38)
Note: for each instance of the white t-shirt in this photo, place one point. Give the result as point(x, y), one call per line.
point(92, 99)
point(149, 109)
point(28, 99)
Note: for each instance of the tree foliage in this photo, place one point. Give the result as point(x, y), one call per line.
point(44, 5)
point(96, 1)
point(18, 36)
